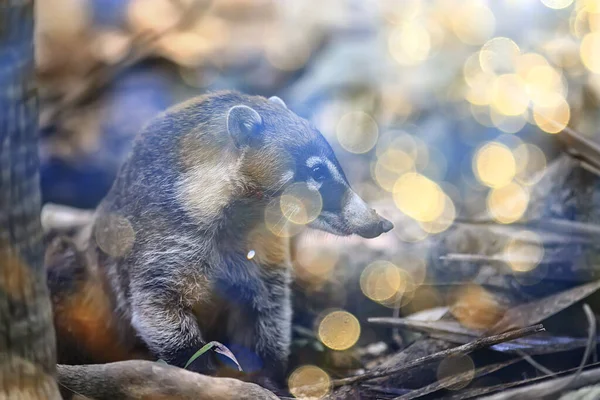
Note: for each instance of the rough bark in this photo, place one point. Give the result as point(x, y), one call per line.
point(27, 343)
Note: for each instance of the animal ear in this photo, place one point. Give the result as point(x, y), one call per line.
point(243, 124)
point(277, 100)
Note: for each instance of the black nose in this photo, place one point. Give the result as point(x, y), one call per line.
point(376, 229)
point(385, 225)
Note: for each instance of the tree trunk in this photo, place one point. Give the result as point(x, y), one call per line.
point(27, 343)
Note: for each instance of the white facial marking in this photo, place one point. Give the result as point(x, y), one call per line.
point(312, 161)
point(333, 171)
point(337, 176)
point(286, 177)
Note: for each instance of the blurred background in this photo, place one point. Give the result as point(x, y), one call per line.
point(439, 111)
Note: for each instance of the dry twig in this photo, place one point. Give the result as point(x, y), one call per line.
point(464, 349)
point(455, 379)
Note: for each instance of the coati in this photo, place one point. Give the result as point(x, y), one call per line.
point(181, 251)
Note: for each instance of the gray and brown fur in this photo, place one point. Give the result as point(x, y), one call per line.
point(171, 238)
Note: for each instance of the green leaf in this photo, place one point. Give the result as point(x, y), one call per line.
point(197, 354)
point(161, 361)
point(218, 348)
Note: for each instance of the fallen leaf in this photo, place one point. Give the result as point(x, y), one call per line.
point(536, 311)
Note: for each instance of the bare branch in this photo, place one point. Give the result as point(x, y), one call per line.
point(464, 349)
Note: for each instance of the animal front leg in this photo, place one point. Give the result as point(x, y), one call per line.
point(170, 331)
point(273, 336)
point(262, 337)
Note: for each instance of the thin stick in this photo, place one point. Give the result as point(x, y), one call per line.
point(538, 390)
point(464, 349)
point(426, 327)
point(455, 379)
point(552, 224)
point(535, 364)
point(586, 355)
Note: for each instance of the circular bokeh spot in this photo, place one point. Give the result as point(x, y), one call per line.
point(339, 330)
point(114, 235)
point(309, 382)
point(357, 132)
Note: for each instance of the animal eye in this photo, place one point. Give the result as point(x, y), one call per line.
point(318, 173)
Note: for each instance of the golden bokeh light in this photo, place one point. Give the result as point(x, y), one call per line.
point(578, 24)
point(557, 4)
point(524, 252)
point(357, 132)
point(455, 365)
point(300, 204)
point(532, 277)
point(499, 56)
point(508, 203)
point(471, 68)
point(593, 20)
point(390, 165)
point(474, 307)
point(152, 16)
point(314, 265)
point(480, 91)
point(418, 197)
point(552, 118)
point(526, 62)
point(531, 164)
point(473, 22)
point(494, 165)
point(187, 48)
point(590, 56)
point(309, 382)
point(444, 220)
point(396, 160)
point(591, 6)
point(409, 43)
point(509, 95)
point(507, 123)
point(400, 141)
point(543, 84)
point(278, 222)
point(339, 330)
point(287, 55)
point(382, 281)
point(384, 178)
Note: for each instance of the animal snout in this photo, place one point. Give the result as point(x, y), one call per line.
point(379, 226)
